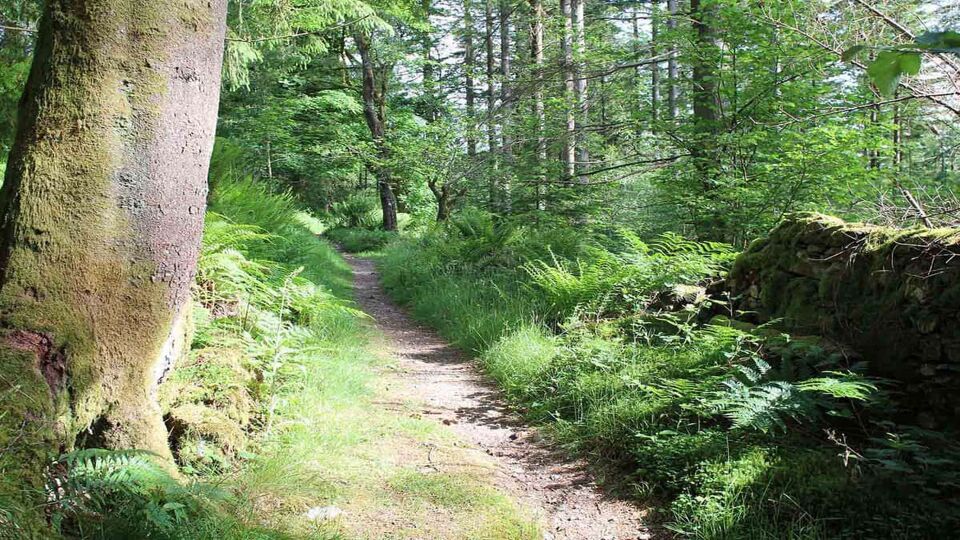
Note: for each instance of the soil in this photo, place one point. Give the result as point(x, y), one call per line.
point(447, 386)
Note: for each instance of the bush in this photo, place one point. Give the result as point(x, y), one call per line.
point(359, 240)
point(617, 353)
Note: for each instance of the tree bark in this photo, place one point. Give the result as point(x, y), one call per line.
point(492, 149)
point(506, 141)
point(468, 76)
point(444, 196)
point(536, 52)
point(569, 154)
point(673, 71)
point(581, 98)
point(432, 109)
point(505, 103)
point(102, 214)
point(654, 67)
point(706, 101)
point(374, 112)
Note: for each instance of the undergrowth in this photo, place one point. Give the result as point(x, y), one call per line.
point(274, 333)
point(621, 350)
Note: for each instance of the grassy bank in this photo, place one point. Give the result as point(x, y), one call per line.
point(614, 346)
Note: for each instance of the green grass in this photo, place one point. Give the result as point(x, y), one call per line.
point(274, 411)
point(359, 240)
point(575, 339)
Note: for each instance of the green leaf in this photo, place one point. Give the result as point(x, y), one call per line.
point(948, 39)
point(909, 63)
point(885, 71)
point(852, 52)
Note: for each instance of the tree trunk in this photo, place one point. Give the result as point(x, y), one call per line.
point(536, 52)
point(706, 101)
point(374, 107)
point(491, 101)
point(444, 196)
point(581, 97)
point(505, 102)
point(103, 206)
point(673, 71)
point(506, 142)
point(654, 67)
point(468, 73)
point(704, 149)
point(432, 109)
point(569, 155)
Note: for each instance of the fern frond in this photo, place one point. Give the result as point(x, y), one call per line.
point(840, 386)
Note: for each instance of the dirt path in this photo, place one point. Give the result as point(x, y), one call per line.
point(447, 386)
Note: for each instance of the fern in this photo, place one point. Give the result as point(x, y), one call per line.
point(765, 406)
point(840, 386)
point(122, 490)
point(749, 402)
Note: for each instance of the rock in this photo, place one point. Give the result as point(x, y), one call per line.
point(323, 513)
point(891, 296)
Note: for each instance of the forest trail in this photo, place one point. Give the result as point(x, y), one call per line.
point(447, 388)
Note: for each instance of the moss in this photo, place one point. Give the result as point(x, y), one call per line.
point(890, 295)
point(76, 264)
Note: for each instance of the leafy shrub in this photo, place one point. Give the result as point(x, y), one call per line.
point(358, 211)
point(360, 240)
point(129, 493)
point(741, 431)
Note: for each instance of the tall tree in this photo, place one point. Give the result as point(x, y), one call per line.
point(506, 106)
point(375, 113)
point(581, 98)
point(469, 63)
point(655, 65)
point(492, 147)
point(706, 100)
point(569, 153)
point(536, 52)
point(673, 68)
point(102, 213)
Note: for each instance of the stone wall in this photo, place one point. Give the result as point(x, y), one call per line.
point(891, 297)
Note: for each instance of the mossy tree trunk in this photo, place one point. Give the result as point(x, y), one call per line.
point(102, 214)
point(375, 113)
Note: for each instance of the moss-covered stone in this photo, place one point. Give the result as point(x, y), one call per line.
point(892, 296)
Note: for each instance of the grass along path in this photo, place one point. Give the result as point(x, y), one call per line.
point(471, 448)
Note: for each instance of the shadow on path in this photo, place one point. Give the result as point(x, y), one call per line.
point(449, 388)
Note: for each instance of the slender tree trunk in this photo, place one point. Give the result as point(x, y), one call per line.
point(444, 196)
point(569, 154)
point(269, 161)
point(374, 107)
point(874, 120)
point(655, 67)
point(505, 100)
point(635, 24)
point(429, 76)
point(468, 69)
point(673, 70)
point(102, 214)
point(506, 148)
point(581, 97)
point(897, 137)
point(491, 102)
point(706, 101)
point(536, 52)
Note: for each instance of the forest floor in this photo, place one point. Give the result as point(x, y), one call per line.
point(428, 379)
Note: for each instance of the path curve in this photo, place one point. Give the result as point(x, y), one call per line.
point(450, 389)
